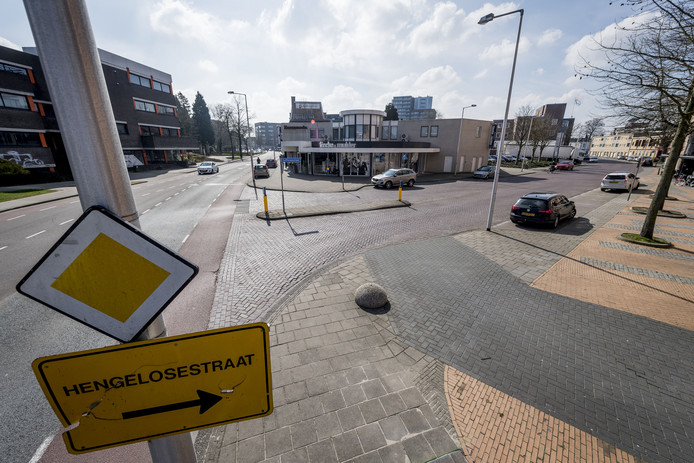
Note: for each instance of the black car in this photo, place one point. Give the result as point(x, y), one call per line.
point(542, 208)
point(647, 162)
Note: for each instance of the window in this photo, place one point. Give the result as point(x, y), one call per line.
point(424, 131)
point(9, 100)
point(478, 131)
point(168, 110)
point(167, 132)
point(386, 132)
point(393, 132)
point(143, 106)
point(434, 131)
point(13, 69)
point(122, 128)
point(161, 86)
point(139, 80)
point(20, 139)
point(149, 130)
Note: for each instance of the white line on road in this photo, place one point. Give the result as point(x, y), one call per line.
point(184, 239)
point(67, 221)
point(12, 218)
point(158, 204)
point(5, 247)
point(145, 194)
point(46, 208)
point(158, 191)
point(146, 211)
point(73, 202)
point(41, 450)
point(168, 198)
point(31, 236)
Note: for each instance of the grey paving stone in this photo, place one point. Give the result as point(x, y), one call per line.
point(322, 451)
point(327, 425)
point(371, 437)
point(295, 392)
point(310, 408)
point(393, 403)
point(353, 394)
point(333, 400)
point(295, 456)
point(249, 428)
point(347, 446)
point(412, 397)
point(393, 428)
point(278, 442)
point(371, 457)
point(373, 388)
point(394, 453)
point(418, 449)
point(316, 386)
point(350, 417)
point(414, 421)
point(303, 434)
point(440, 441)
point(251, 450)
point(372, 410)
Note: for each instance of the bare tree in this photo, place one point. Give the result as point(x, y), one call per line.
point(240, 121)
point(522, 126)
point(649, 74)
point(541, 135)
point(224, 113)
point(591, 128)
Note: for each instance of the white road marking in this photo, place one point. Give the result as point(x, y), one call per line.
point(23, 215)
point(184, 239)
point(5, 247)
point(145, 194)
point(46, 208)
point(168, 198)
point(158, 204)
point(35, 234)
point(41, 450)
point(146, 211)
point(67, 221)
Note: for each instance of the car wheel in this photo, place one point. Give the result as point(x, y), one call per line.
point(389, 185)
point(603, 189)
point(637, 186)
point(573, 213)
point(410, 183)
point(555, 224)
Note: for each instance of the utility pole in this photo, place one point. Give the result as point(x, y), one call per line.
point(70, 59)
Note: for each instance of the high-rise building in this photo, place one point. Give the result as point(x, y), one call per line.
point(267, 135)
point(411, 108)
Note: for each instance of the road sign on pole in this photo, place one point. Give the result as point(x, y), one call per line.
point(138, 391)
point(285, 160)
point(108, 275)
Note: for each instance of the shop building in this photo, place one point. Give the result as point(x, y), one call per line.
point(363, 144)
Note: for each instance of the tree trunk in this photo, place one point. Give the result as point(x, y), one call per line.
point(669, 168)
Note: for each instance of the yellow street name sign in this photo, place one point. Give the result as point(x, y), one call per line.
point(139, 391)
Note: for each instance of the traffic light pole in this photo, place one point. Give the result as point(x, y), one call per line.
point(71, 63)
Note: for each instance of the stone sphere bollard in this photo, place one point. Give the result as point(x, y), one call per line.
point(370, 296)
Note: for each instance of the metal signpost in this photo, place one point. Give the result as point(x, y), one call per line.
point(133, 392)
point(285, 161)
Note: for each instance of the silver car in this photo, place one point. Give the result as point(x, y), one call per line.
point(619, 181)
point(484, 172)
point(393, 177)
point(207, 167)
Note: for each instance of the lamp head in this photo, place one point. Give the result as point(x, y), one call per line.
point(486, 19)
point(473, 105)
point(230, 92)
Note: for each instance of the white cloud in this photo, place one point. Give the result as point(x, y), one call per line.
point(502, 52)
point(481, 74)
point(343, 97)
point(208, 66)
point(550, 36)
point(538, 72)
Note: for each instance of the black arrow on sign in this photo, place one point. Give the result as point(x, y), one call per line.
point(205, 402)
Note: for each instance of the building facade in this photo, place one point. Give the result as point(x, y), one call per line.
point(410, 107)
point(364, 144)
point(142, 101)
point(267, 135)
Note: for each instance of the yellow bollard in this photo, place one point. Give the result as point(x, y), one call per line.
point(400, 192)
point(265, 199)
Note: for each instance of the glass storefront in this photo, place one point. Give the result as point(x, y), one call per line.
point(356, 164)
point(325, 164)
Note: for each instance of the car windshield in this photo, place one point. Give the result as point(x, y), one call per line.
point(390, 172)
point(615, 177)
point(486, 168)
point(205, 164)
point(533, 203)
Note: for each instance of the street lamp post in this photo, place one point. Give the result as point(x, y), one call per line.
point(250, 156)
point(484, 20)
point(460, 135)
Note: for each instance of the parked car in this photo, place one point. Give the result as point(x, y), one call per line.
point(484, 172)
point(566, 164)
point(260, 170)
point(593, 159)
point(586, 158)
point(271, 163)
point(393, 177)
point(508, 158)
point(622, 157)
point(208, 167)
point(619, 181)
point(632, 158)
point(491, 159)
point(647, 162)
point(542, 208)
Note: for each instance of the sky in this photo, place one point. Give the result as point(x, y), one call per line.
point(356, 54)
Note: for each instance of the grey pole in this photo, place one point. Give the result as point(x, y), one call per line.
point(245, 100)
point(70, 60)
point(484, 20)
point(460, 136)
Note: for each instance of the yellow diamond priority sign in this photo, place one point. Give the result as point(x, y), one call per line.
point(145, 390)
point(109, 275)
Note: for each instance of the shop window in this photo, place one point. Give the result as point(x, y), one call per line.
point(20, 139)
point(434, 131)
point(9, 100)
point(424, 131)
